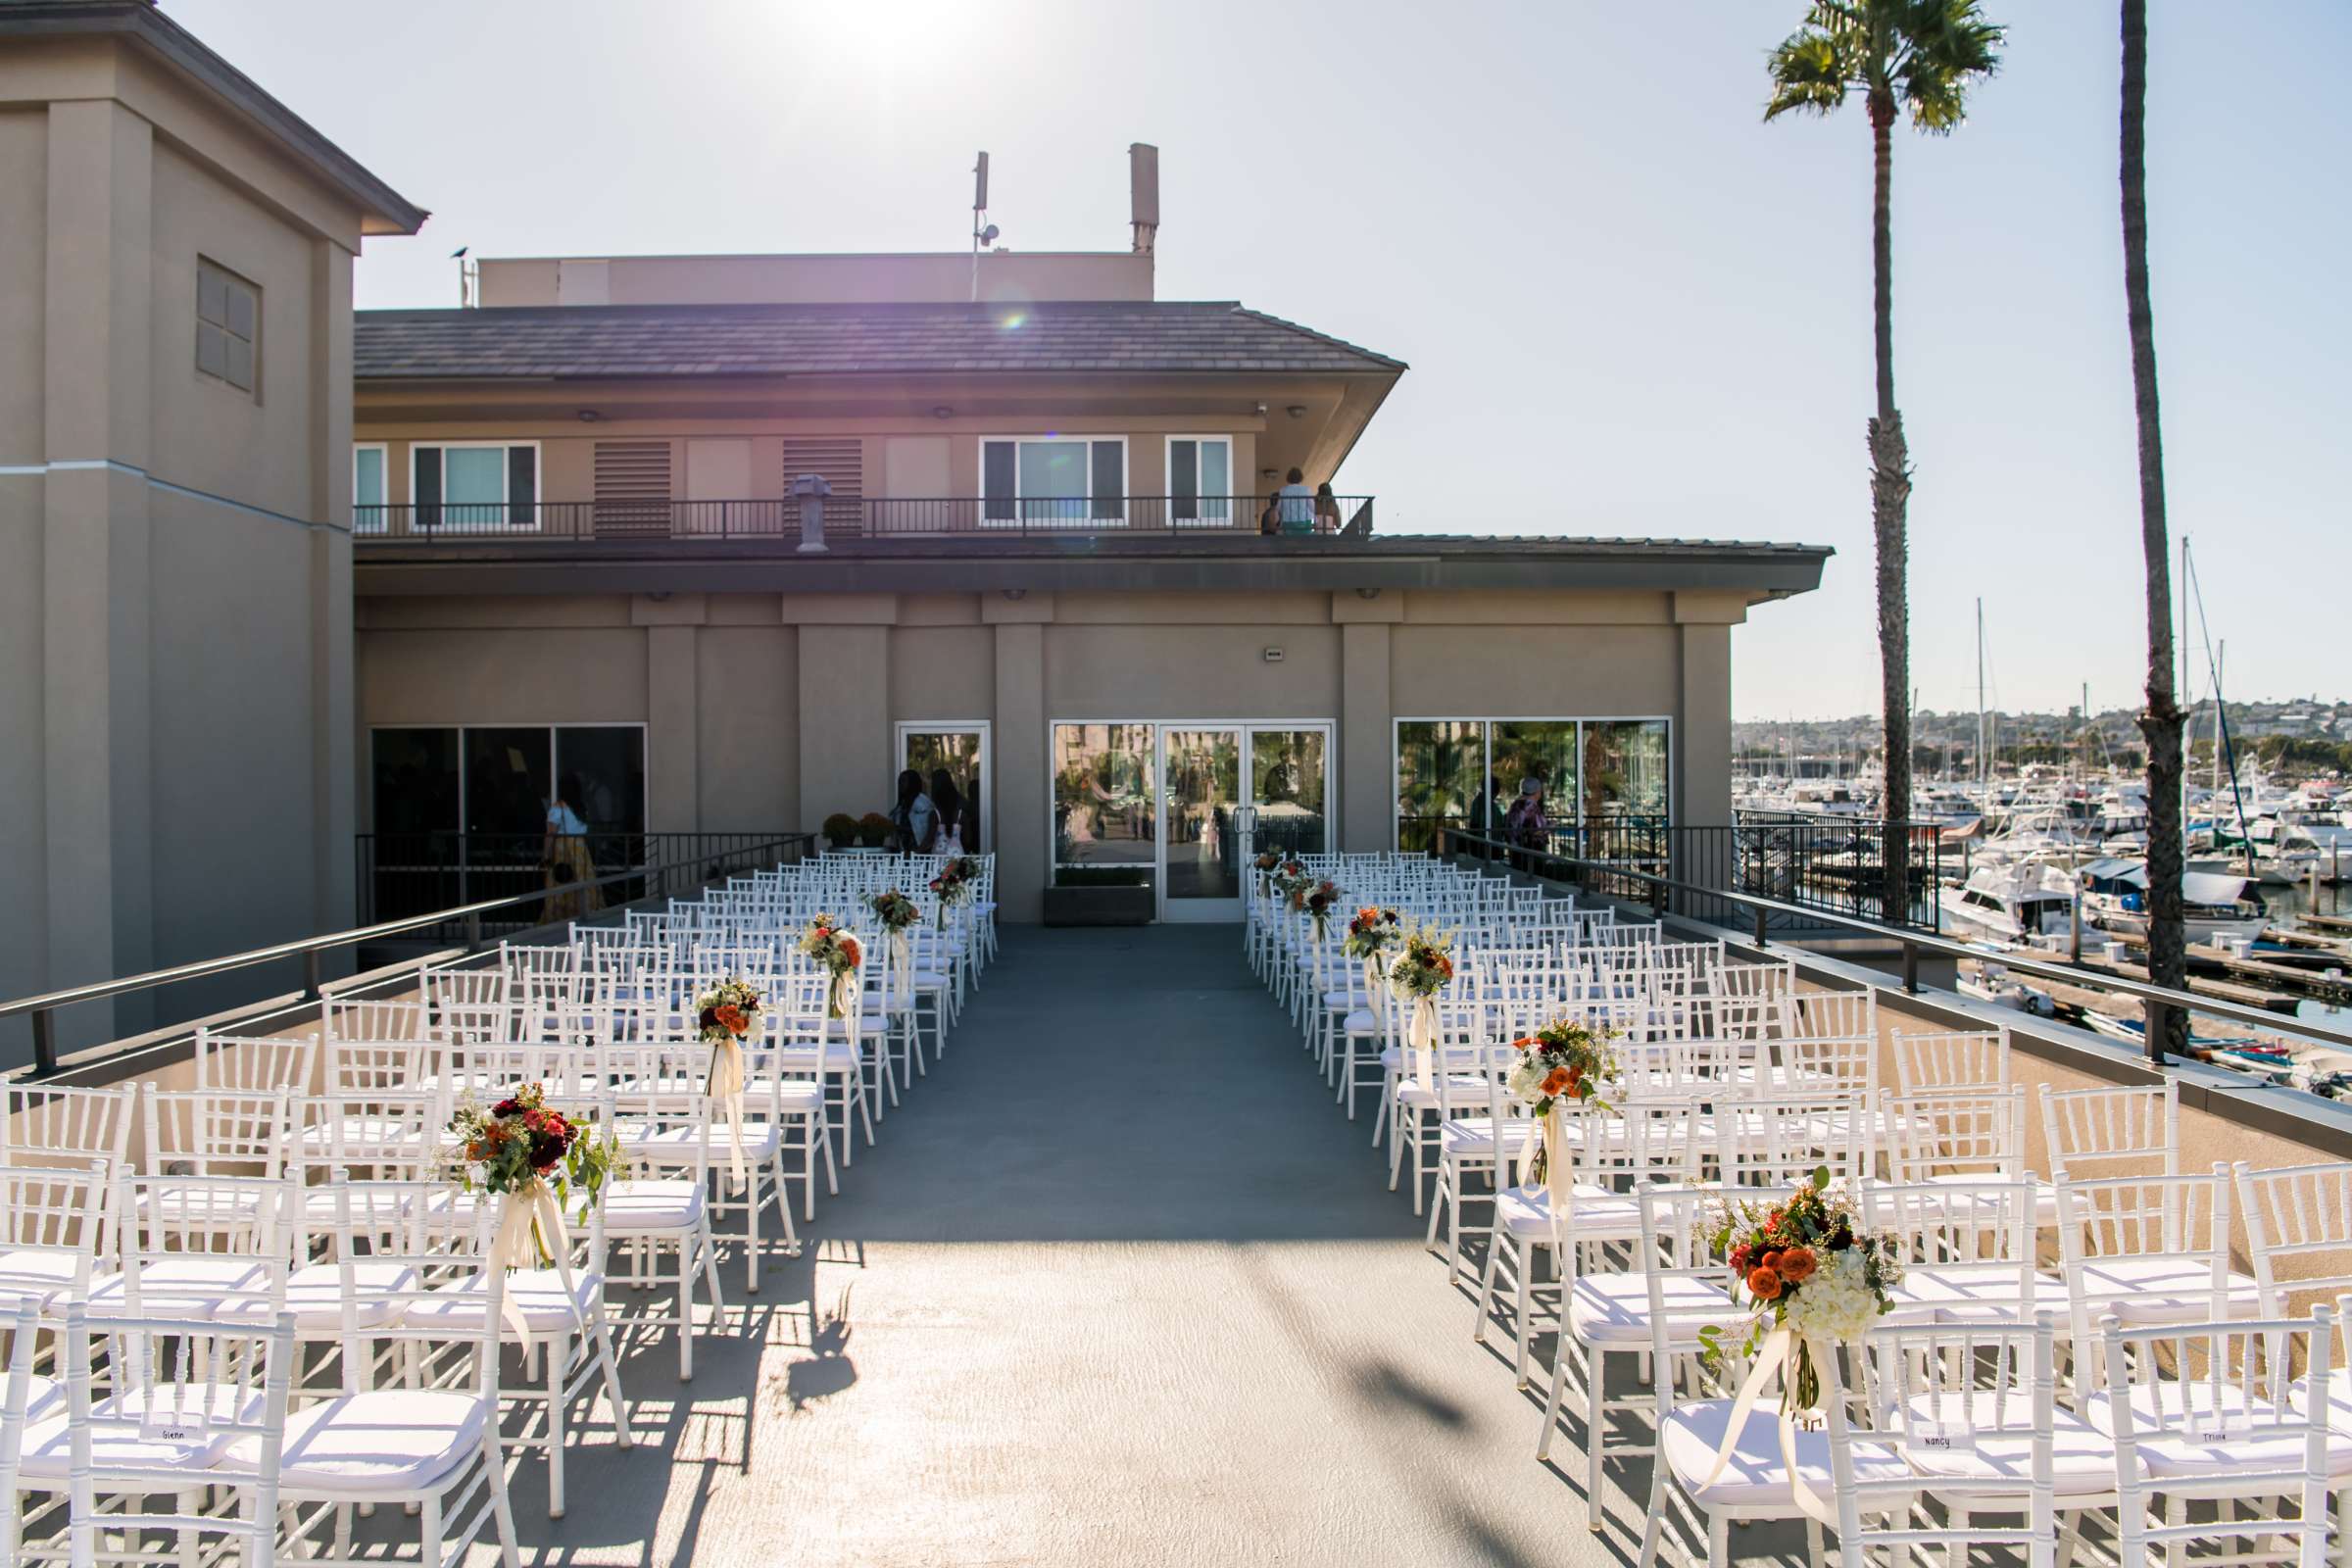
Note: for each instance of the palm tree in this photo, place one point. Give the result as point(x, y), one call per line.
point(2160, 719)
point(1921, 55)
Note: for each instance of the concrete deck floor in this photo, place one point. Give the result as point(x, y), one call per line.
point(1118, 1286)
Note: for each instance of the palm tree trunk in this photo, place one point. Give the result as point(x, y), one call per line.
point(2160, 717)
point(1890, 500)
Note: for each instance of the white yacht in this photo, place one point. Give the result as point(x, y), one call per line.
point(2114, 898)
point(2012, 903)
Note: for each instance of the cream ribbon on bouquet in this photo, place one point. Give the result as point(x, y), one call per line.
point(1421, 1034)
point(901, 971)
point(530, 1229)
point(1376, 988)
point(725, 1090)
point(1545, 1133)
point(1777, 1354)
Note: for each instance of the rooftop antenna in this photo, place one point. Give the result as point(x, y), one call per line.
point(984, 232)
point(470, 278)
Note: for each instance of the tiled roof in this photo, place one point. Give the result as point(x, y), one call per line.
point(634, 340)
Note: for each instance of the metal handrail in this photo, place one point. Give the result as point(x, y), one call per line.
point(2153, 997)
point(44, 1006)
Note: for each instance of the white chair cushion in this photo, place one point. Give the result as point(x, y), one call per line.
point(359, 1135)
point(315, 1295)
point(188, 1285)
point(1473, 1137)
point(2185, 1455)
point(1954, 1293)
point(2163, 1289)
point(868, 1024)
point(1525, 1213)
point(1755, 1478)
point(1460, 1089)
point(838, 1058)
point(1359, 1022)
point(37, 1272)
point(1612, 1310)
point(649, 1205)
point(384, 1442)
point(2082, 1456)
point(49, 1451)
point(538, 1294)
point(676, 1145)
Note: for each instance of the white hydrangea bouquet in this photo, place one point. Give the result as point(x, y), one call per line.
point(1810, 1271)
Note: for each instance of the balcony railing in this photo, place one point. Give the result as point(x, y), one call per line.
point(892, 517)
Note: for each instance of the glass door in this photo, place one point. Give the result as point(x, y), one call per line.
point(1201, 770)
point(960, 750)
point(1289, 783)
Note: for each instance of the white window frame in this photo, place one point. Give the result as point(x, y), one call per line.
point(1077, 438)
point(1487, 763)
point(1233, 493)
point(383, 519)
point(506, 475)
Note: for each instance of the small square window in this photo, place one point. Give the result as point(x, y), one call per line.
point(228, 326)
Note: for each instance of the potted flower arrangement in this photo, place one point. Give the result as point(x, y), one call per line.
point(533, 1159)
point(1810, 1272)
point(874, 830)
point(841, 830)
point(1565, 1059)
point(838, 951)
point(723, 1016)
point(1417, 974)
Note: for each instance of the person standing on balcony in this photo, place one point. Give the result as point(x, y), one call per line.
point(1295, 505)
point(917, 818)
point(564, 853)
point(1327, 508)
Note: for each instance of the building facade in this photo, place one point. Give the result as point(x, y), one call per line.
point(176, 254)
point(1038, 558)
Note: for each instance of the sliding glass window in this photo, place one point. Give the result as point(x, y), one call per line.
point(1466, 772)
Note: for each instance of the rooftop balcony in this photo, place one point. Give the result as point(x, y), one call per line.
point(851, 517)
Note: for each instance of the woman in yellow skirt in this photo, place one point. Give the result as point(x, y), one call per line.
point(564, 852)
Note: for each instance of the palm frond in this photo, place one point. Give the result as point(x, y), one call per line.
point(1810, 72)
point(1948, 48)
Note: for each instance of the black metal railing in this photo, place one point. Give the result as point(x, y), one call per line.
point(877, 518)
point(469, 924)
point(1830, 865)
point(406, 875)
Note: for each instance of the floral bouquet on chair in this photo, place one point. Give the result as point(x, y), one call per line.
point(1289, 880)
point(1317, 899)
point(532, 1158)
point(954, 885)
point(1811, 1273)
point(838, 951)
point(894, 910)
point(723, 1016)
point(1417, 974)
point(1373, 931)
point(1567, 1059)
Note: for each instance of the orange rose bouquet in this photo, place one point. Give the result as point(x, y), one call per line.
point(838, 951)
point(1806, 1267)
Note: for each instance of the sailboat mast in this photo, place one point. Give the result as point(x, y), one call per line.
point(1981, 764)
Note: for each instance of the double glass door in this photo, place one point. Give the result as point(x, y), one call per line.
point(1229, 791)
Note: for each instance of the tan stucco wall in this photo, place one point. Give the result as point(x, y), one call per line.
point(175, 561)
point(771, 712)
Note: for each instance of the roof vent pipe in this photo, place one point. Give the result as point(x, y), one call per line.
point(1143, 193)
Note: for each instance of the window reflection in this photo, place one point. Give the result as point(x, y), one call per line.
point(1285, 785)
point(1103, 817)
point(1439, 764)
point(1625, 769)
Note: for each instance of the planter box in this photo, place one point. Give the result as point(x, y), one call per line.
point(1099, 906)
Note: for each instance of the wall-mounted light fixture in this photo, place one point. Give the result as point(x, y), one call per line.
point(943, 412)
point(1016, 595)
point(1367, 593)
point(1268, 473)
point(589, 416)
point(1272, 655)
point(1297, 411)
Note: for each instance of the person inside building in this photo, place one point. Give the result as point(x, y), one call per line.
point(916, 817)
point(1295, 505)
point(564, 855)
point(947, 800)
point(1523, 826)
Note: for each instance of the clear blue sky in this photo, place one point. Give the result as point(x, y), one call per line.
point(1631, 307)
